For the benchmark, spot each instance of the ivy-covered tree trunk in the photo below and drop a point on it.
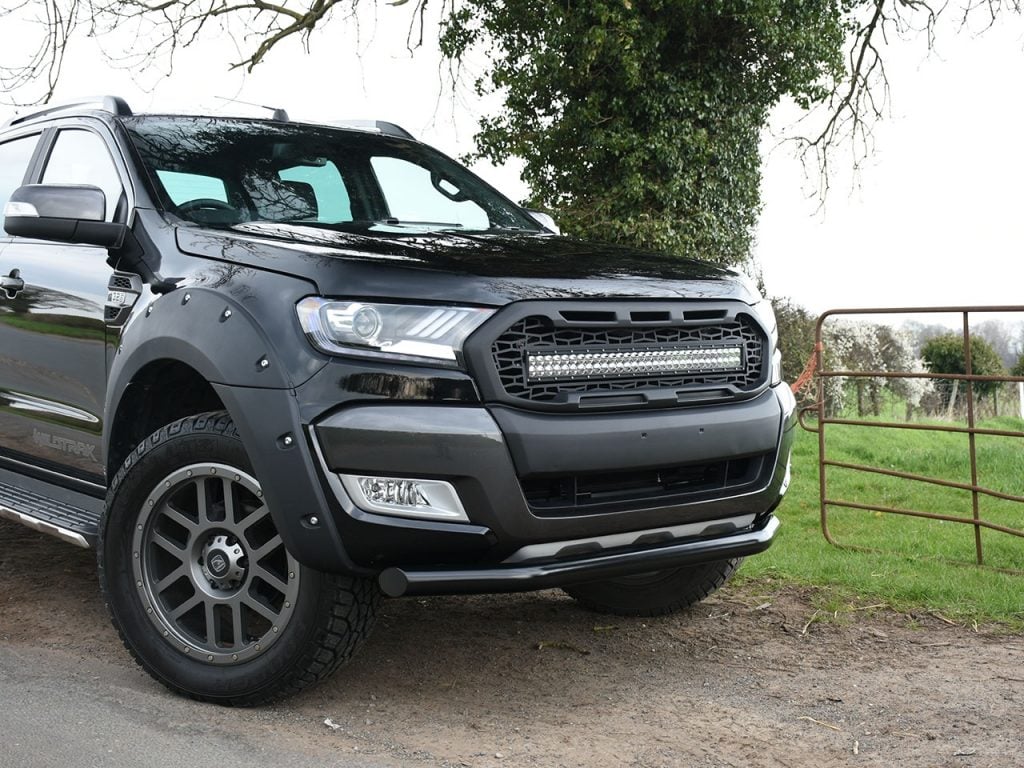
(639, 120)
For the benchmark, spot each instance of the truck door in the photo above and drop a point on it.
(53, 341)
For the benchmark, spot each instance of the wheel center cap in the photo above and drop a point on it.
(223, 562)
(218, 563)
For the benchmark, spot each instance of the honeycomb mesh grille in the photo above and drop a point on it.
(536, 334)
(120, 282)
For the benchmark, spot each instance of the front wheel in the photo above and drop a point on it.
(200, 585)
(655, 593)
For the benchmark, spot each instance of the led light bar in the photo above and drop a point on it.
(658, 361)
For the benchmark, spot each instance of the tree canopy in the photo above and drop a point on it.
(638, 121)
(945, 354)
(1018, 367)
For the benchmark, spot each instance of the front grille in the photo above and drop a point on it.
(614, 491)
(539, 362)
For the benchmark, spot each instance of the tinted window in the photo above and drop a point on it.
(312, 176)
(14, 159)
(183, 187)
(416, 194)
(81, 157)
(327, 187)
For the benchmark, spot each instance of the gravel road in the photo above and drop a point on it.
(756, 676)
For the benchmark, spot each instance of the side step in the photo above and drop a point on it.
(70, 516)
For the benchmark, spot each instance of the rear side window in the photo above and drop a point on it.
(14, 159)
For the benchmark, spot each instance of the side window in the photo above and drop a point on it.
(81, 157)
(14, 159)
(414, 195)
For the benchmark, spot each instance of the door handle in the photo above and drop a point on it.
(12, 284)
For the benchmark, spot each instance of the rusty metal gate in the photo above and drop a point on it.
(973, 517)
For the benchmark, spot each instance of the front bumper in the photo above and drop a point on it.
(486, 452)
(397, 582)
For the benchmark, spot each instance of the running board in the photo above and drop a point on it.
(70, 516)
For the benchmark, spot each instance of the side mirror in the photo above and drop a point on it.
(545, 220)
(66, 213)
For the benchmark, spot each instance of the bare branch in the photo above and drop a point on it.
(58, 21)
(862, 97)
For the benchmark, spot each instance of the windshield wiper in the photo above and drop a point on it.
(393, 222)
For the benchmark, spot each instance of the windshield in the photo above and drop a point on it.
(227, 172)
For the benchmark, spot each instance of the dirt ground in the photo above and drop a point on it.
(752, 677)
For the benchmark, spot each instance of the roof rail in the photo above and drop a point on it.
(115, 105)
(380, 126)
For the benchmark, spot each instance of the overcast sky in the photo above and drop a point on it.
(935, 216)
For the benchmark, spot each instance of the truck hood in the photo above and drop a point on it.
(476, 268)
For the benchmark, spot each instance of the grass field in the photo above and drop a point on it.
(920, 565)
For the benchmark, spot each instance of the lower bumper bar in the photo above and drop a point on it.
(396, 582)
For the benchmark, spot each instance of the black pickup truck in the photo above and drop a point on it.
(275, 371)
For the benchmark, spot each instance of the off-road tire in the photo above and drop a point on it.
(657, 593)
(328, 618)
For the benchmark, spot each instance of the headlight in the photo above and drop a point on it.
(776, 368)
(402, 331)
(766, 314)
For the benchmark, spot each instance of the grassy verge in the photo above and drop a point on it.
(921, 565)
(85, 329)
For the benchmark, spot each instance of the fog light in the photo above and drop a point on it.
(405, 497)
